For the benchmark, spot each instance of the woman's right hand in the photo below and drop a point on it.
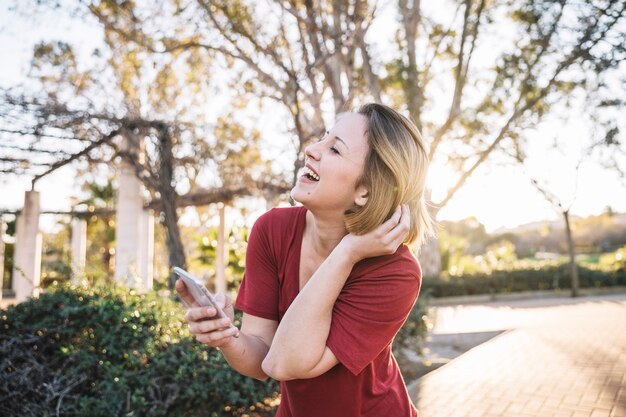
(383, 240)
(202, 322)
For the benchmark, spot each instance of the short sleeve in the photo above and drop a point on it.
(369, 312)
(258, 293)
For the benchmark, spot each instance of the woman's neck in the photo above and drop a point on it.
(325, 232)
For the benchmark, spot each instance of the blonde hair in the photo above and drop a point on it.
(395, 173)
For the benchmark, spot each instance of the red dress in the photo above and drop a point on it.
(371, 308)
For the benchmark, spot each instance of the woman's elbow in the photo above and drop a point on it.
(274, 369)
(262, 377)
(259, 375)
(281, 371)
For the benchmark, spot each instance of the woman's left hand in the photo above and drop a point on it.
(384, 240)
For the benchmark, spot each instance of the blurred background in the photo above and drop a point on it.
(140, 135)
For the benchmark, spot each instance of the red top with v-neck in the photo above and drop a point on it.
(372, 306)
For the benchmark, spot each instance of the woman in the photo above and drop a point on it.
(328, 284)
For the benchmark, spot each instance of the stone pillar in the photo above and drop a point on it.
(220, 255)
(128, 227)
(146, 250)
(27, 258)
(79, 249)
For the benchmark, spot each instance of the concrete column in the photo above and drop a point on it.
(1, 258)
(128, 227)
(27, 266)
(146, 252)
(79, 249)
(220, 255)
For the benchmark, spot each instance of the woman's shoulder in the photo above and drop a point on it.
(402, 263)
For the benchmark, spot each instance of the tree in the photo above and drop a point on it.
(557, 44)
(158, 132)
(564, 209)
(493, 69)
(104, 128)
(261, 46)
(553, 47)
(565, 212)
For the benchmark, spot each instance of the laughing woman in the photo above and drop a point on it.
(328, 284)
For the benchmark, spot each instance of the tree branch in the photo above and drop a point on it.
(461, 70)
(59, 164)
(577, 53)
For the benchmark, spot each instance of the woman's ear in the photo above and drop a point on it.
(361, 196)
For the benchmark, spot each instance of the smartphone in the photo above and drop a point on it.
(199, 292)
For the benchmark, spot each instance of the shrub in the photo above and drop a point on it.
(415, 328)
(552, 276)
(411, 335)
(112, 352)
(614, 261)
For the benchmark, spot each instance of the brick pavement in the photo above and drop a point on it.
(560, 358)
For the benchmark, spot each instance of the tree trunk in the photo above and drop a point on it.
(429, 255)
(572, 256)
(1, 258)
(174, 242)
(221, 253)
(168, 205)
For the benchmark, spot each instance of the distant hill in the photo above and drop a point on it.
(593, 234)
(618, 218)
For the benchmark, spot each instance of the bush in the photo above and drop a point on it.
(411, 336)
(554, 276)
(415, 328)
(112, 352)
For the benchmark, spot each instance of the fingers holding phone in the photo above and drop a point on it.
(208, 329)
(210, 318)
(223, 309)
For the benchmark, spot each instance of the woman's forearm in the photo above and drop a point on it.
(245, 355)
(300, 340)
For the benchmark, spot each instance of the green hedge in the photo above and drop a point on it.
(505, 281)
(111, 352)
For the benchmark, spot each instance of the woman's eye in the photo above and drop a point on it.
(334, 150)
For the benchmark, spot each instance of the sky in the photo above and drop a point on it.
(498, 196)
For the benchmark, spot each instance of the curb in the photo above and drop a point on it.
(522, 295)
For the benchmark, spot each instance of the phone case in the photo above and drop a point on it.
(199, 292)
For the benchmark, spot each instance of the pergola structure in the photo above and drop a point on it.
(134, 240)
(134, 252)
(125, 138)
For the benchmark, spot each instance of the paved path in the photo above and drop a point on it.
(558, 357)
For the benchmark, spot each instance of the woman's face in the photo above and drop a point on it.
(333, 166)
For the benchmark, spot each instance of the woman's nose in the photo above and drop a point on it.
(312, 151)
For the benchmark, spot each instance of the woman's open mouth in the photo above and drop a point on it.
(309, 174)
